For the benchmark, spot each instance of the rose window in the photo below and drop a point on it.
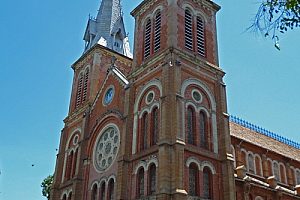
(106, 149)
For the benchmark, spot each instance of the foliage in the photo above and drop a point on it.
(277, 16)
(46, 186)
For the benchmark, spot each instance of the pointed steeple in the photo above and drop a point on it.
(108, 28)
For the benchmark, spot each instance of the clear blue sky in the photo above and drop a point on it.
(41, 39)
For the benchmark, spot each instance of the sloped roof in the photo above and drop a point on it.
(263, 141)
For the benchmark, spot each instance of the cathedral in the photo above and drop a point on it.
(154, 125)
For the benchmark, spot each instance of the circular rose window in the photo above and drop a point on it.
(106, 148)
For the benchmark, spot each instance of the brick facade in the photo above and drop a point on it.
(162, 132)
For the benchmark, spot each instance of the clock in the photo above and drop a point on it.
(109, 95)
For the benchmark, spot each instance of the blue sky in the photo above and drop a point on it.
(41, 39)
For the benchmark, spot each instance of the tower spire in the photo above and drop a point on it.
(108, 28)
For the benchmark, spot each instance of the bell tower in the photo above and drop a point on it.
(176, 61)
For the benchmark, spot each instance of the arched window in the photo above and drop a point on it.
(70, 196)
(244, 159)
(270, 167)
(74, 164)
(147, 39)
(200, 37)
(154, 128)
(94, 192)
(144, 132)
(251, 163)
(258, 165)
(276, 170)
(64, 197)
(79, 90)
(233, 154)
(298, 177)
(190, 125)
(140, 183)
(207, 183)
(193, 180)
(102, 191)
(85, 85)
(152, 179)
(157, 31)
(203, 131)
(188, 30)
(69, 166)
(111, 188)
(282, 173)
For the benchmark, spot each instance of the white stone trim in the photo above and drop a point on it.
(142, 164)
(152, 160)
(259, 198)
(194, 160)
(209, 165)
(151, 15)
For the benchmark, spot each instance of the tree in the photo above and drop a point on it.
(277, 16)
(46, 186)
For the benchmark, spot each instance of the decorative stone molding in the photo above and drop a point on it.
(241, 171)
(272, 181)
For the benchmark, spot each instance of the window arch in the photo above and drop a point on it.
(207, 183)
(102, 191)
(203, 130)
(282, 173)
(200, 37)
(190, 125)
(251, 166)
(154, 127)
(244, 158)
(188, 25)
(79, 90)
(140, 183)
(147, 39)
(64, 197)
(85, 85)
(193, 180)
(258, 165)
(157, 31)
(94, 192)
(270, 166)
(70, 196)
(297, 177)
(144, 132)
(111, 189)
(152, 179)
(276, 170)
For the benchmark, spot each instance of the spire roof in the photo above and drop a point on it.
(108, 28)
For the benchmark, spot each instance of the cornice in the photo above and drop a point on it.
(104, 51)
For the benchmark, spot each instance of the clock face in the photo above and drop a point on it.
(109, 95)
(106, 148)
